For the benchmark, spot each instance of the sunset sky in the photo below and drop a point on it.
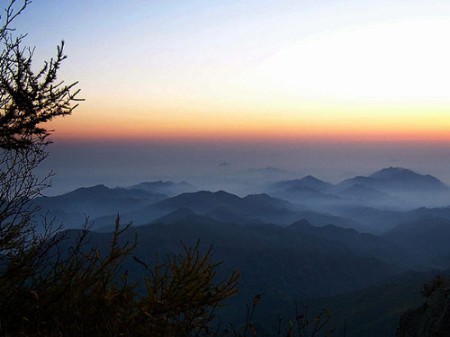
(340, 70)
(181, 88)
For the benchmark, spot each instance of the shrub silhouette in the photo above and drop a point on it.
(55, 284)
(432, 318)
(28, 98)
(85, 293)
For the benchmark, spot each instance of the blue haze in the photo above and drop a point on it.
(234, 166)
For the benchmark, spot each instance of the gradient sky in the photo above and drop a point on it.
(178, 88)
(339, 70)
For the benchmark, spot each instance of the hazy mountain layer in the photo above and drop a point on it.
(374, 204)
(390, 188)
(303, 239)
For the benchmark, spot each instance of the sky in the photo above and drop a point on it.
(319, 74)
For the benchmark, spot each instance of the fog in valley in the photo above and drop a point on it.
(343, 226)
(234, 169)
(239, 167)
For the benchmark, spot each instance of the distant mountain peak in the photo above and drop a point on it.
(310, 178)
(313, 180)
(100, 188)
(95, 187)
(391, 172)
(307, 182)
(403, 174)
(190, 199)
(401, 183)
(221, 192)
(259, 196)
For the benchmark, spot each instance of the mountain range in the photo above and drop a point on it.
(373, 204)
(392, 188)
(302, 240)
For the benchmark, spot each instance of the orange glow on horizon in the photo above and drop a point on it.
(332, 71)
(265, 127)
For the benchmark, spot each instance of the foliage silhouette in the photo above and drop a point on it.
(299, 326)
(53, 282)
(28, 98)
(432, 318)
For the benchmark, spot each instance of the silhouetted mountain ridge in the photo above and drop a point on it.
(394, 179)
(301, 239)
(354, 203)
(309, 182)
(392, 188)
(72, 208)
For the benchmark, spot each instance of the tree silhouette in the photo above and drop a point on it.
(28, 98)
(54, 282)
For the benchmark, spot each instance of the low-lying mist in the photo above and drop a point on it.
(235, 166)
